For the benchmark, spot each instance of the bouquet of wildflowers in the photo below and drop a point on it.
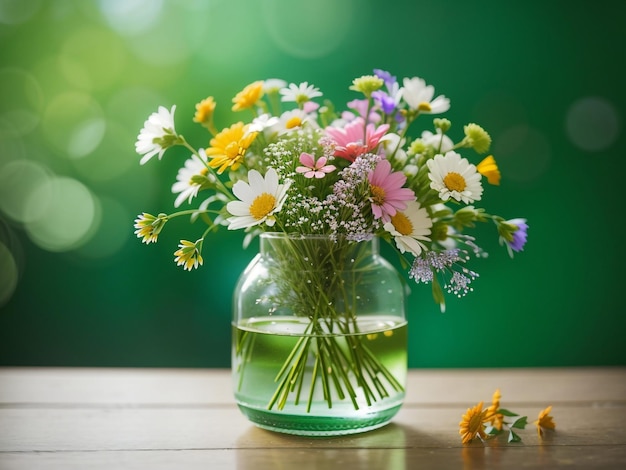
(296, 164)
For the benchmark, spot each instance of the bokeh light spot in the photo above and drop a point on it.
(8, 274)
(18, 180)
(86, 137)
(308, 29)
(523, 154)
(592, 124)
(112, 158)
(69, 215)
(11, 143)
(131, 16)
(115, 227)
(21, 99)
(73, 123)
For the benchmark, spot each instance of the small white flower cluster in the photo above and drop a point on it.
(356, 174)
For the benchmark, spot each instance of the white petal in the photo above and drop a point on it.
(257, 182)
(235, 223)
(271, 181)
(243, 191)
(238, 208)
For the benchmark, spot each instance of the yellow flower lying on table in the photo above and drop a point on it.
(492, 421)
(545, 421)
(474, 423)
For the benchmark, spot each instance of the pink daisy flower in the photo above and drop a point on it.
(387, 194)
(312, 168)
(355, 138)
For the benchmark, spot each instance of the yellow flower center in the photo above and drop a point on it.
(424, 106)
(293, 122)
(262, 205)
(402, 223)
(378, 194)
(200, 177)
(232, 150)
(455, 182)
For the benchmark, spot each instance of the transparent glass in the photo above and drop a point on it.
(319, 336)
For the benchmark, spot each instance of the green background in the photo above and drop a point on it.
(78, 79)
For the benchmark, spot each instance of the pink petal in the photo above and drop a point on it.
(307, 159)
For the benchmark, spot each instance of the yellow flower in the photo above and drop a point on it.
(189, 254)
(229, 147)
(489, 169)
(496, 418)
(148, 226)
(249, 96)
(473, 423)
(367, 84)
(204, 110)
(477, 138)
(545, 421)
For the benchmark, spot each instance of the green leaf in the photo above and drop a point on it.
(520, 423)
(514, 437)
(505, 412)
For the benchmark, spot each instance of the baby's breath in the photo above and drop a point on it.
(292, 161)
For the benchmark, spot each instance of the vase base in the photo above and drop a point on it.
(318, 426)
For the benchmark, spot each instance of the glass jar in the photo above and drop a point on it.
(319, 336)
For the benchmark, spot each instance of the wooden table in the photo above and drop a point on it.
(61, 418)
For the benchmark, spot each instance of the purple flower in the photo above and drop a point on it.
(519, 236)
(386, 76)
(387, 103)
(387, 100)
(513, 233)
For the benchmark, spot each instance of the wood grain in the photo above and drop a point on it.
(186, 418)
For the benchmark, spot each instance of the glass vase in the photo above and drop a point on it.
(319, 336)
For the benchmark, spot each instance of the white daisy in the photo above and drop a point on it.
(293, 120)
(157, 135)
(273, 85)
(300, 93)
(262, 122)
(419, 96)
(454, 177)
(260, 199)
(191, 177)
(410, 228)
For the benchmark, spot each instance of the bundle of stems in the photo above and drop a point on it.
(316, 279)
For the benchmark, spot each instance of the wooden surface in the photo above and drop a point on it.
(55, 418)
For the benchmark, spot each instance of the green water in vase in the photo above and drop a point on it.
(364, 394)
